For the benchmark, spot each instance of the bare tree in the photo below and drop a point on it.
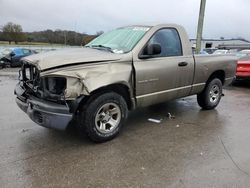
(13, 32)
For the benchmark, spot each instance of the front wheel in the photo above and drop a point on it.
(102, 117)
(211, 95)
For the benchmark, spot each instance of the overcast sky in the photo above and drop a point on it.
(227, 18)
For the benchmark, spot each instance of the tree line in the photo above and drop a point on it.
(12, 32)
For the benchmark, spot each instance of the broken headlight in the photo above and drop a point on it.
(54, 87)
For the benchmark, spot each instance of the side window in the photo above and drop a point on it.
(169, 41)
(26, 51)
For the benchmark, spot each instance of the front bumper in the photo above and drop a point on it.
(46, 114)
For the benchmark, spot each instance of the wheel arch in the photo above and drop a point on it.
(119, 88)
(220, 74)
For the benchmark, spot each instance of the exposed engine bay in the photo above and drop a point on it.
(49, 88)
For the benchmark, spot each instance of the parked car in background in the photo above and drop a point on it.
(233, 51)
(243, 68)
(210, 50)
(243, 53)
(2, 64)
(203, 52)
(220, 52)
(3, 53)
(12, 56)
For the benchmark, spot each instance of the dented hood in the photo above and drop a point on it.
(70, 56)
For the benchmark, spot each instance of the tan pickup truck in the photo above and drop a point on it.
(120, 70)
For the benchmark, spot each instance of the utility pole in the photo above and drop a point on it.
(200, 26)
(65, 38)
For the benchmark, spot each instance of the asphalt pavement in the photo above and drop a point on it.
(193, 148)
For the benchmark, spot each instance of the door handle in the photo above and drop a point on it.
(182, 64)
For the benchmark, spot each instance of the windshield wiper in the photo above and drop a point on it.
(99, 46)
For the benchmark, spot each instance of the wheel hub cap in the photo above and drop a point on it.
(107, 117)
(214, 94)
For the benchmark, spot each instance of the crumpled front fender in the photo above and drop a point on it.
(82, 80)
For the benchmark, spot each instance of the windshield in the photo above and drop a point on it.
(121, 40)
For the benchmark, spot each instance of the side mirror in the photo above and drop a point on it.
(151, 50)
(12, 54)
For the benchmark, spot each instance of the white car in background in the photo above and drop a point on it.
(221, 52)
(243, 53)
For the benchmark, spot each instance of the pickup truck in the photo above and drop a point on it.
(126, 68)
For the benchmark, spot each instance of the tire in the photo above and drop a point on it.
(103, 116)
(15, 63)
(3, 65)
(12, 65)
(211, 95)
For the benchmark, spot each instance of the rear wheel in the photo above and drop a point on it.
(211, 95)
(103, 115)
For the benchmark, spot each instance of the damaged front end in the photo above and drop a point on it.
(43, 98)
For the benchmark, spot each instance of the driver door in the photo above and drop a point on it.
(157, 78)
